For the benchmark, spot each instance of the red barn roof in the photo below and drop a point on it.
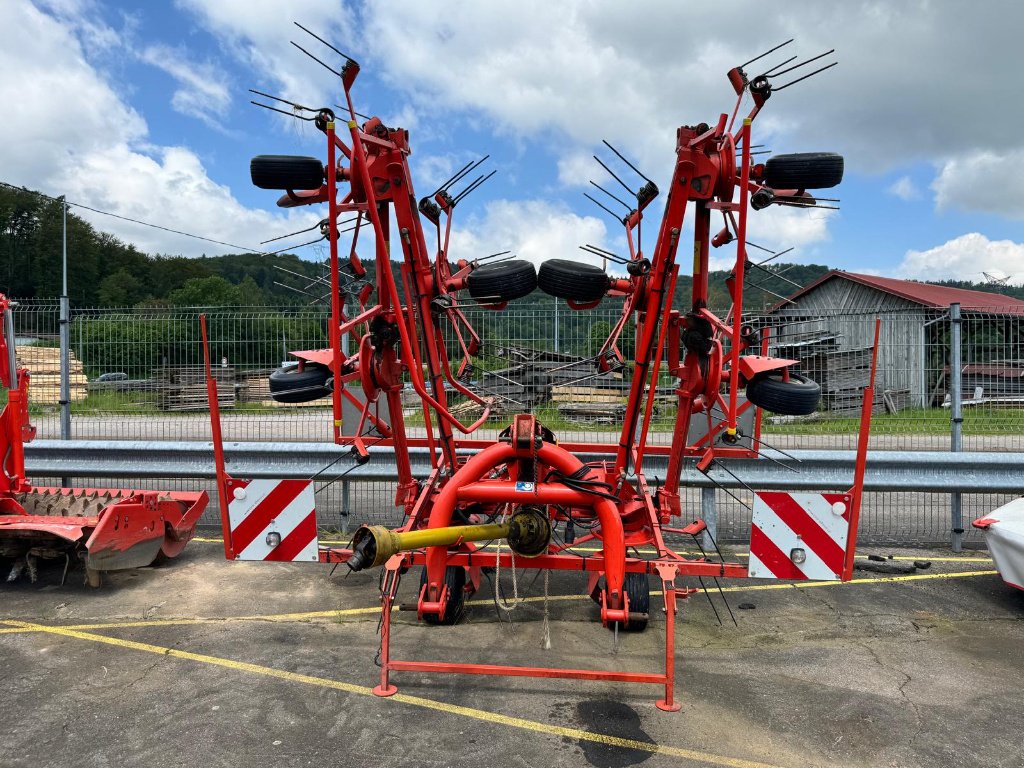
(925, 294)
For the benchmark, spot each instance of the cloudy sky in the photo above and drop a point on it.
(141, 108)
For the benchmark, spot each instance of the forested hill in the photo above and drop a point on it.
(104, 271)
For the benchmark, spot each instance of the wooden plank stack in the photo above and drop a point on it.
(183, 388)
(43, 364)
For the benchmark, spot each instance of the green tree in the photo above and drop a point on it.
(206, 292)
(120, 289)
(250, 294)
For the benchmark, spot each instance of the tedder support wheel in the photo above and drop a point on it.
(797, 397)
(638, 590)
(501, 282)
(455, 579)
(291, 385)
(572, 280)
(286, 172)
(804, 170)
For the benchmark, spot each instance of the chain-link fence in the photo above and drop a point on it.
(136, 374)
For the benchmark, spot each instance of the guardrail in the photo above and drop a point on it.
(797, 470)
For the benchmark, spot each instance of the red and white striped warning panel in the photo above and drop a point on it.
(799, 535)
(273, 520)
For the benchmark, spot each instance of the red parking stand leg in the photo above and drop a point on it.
(667, 572)
(387, 598)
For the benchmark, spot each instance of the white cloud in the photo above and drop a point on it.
(257, 33)
(203, 90)
(612, 70)
(535, 230)
(982, 181)
(905, 189)
(175, 184)
(965, 258)
(72, 134)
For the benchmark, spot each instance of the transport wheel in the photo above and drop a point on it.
(572, 280)
(455, 579)
(505, 281)
(286, 172)
(290, 385)
(797, 397)
(804, 170)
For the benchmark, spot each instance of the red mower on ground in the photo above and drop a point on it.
(542, 498)
(107, 529)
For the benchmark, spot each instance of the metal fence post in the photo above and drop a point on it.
(556, 324)
(65, 342)
(956, 420)
(709, 514)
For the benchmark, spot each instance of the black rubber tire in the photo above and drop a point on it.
(797, 397)
(286, 172)
(455, 578)
(290, 385)
(638, 590)
(572, 280)
(505, 281)
(804, 170)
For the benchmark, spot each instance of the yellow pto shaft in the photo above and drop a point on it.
(528, 532)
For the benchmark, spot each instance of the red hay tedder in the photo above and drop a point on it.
(108, 529)
(526, 489)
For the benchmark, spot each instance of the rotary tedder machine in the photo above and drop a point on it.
(527, 500)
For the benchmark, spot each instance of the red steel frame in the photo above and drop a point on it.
(404, 339)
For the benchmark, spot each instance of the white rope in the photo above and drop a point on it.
(516, 602)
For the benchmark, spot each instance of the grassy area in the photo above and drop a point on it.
(108, 401)
(917, 421)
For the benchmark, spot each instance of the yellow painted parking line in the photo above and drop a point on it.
(207, 540)
(871, 580)
(343, 612)
(697, 756)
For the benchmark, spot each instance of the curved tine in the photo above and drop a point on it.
(625, 205)
(771, 50)
(479, 181)
(283, 111)
(776, 89)
(801, 64)
(314, 35)
(460, 174)
(623, 159)
(296, 232)
(603, 207)
(314, 58)
(357, 114)
(493, 255)
(612, 174)
(780, 64)
(283, 101)
(603, 254)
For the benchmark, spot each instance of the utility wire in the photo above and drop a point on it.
(244, 248)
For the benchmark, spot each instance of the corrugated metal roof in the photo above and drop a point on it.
(925, 294)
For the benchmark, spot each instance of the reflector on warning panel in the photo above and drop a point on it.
(273, 520)
(799, 535)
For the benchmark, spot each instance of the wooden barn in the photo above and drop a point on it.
(829, 326)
